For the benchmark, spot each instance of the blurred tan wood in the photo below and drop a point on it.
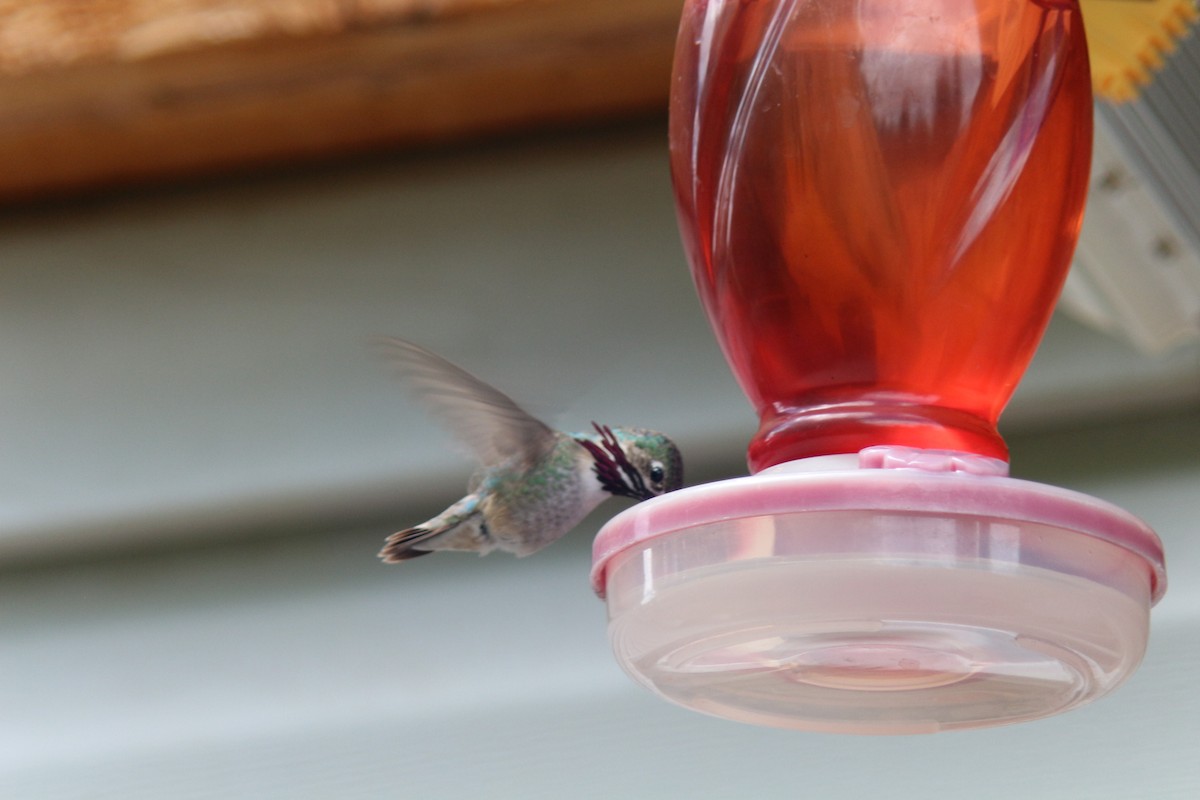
(96, 93)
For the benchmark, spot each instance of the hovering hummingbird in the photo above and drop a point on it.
(535, 483)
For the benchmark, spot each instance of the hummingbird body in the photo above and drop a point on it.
(514, 509)
(535, 484)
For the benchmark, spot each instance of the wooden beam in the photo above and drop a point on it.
(114, 92)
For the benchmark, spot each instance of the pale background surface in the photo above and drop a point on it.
(200, 460)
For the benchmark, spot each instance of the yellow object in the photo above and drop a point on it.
(1127, 40)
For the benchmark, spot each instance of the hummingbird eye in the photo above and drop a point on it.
(656, 472)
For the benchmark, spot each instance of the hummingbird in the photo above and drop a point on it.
(534, 483)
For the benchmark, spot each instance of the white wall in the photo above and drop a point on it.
(185, 373)
(301, 668)
(189, 364)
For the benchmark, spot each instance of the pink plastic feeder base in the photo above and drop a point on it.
(899, 591)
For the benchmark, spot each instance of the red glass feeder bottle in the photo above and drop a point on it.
(879, 200)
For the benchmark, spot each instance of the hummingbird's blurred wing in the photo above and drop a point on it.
(484, 418)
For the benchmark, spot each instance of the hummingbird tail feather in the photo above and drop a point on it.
(460, 527)
(401, 545)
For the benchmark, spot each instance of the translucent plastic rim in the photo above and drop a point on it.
(885, 490)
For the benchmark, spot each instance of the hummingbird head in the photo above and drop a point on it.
(634, 462)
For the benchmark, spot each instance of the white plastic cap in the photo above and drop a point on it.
(911, 592)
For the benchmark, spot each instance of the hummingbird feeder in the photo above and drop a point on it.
(879, 200)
